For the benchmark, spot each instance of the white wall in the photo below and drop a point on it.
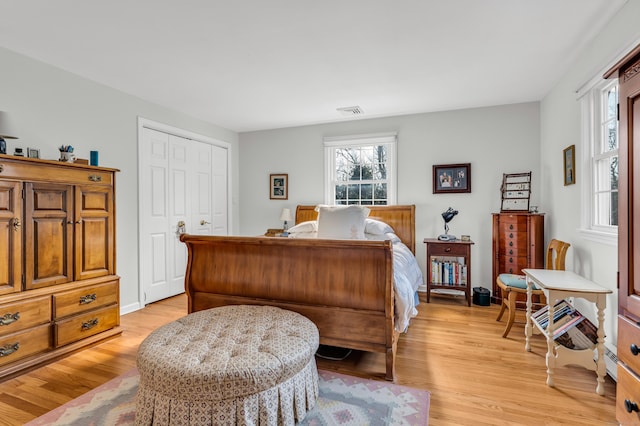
(51, 107)
(495, 140)
(560, 119)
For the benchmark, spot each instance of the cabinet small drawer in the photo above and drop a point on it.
(511, 264)
(25, 343)
(513, 223)
(87, 324)
(24, 314)
(627, 394)
(628, 343)
(448, 249)
(83, 299)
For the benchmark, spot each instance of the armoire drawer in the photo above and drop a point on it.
(24, 314)
(22, 344)
(628, 335)
(627, 393)
(87, 324)
(84, 299)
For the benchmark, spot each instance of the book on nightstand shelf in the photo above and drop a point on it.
(572, 329)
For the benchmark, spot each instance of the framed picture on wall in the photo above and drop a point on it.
(278, 186)
(569, 165)
(451, 178)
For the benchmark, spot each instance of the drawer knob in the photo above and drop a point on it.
(510, 251)
(89, 298)
(511, 260)
(511, 235)
(89, 324)
(630, 406)
(448, 249)
(510, 243)
(95, 178)
(511, 270)
(634, 349)
(9, 318)
(510, 226)
(8, 349)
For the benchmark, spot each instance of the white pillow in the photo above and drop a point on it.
(376, 227)
(308, 226)
(342, 222)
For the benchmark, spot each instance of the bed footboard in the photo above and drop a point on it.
(344, 286)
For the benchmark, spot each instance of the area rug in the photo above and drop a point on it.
(343, 400)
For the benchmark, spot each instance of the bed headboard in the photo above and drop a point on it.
(401, 218)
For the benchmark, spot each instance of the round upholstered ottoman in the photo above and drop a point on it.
(230, 365)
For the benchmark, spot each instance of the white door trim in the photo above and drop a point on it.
(154, 125)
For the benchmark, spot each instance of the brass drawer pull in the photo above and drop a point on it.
(89, 324)
(9, 318)
(89, 298)
(1, 168)
(95, 178)
(8, 349)
(16, 223)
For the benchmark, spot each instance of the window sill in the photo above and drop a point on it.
(607, 238)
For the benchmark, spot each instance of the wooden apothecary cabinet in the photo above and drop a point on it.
(58, 285)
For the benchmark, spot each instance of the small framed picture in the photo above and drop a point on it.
(569, 165)
(33, 153)
(451, 178)
(278, 186)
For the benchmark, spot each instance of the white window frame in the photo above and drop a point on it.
(592, 107)
(336, 142)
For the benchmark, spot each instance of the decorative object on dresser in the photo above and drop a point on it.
(512, 285)
(451, 178)
(569, 160)
(59, 291)
(33, 153)
(6, 131)
(447, 216)
(449, 267)
(628, 385)
(516, 192)
(518, 243)
(278, 186)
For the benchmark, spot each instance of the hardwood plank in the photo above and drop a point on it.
(456, 352)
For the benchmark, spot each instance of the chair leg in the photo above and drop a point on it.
(512, 312)
(503, 306)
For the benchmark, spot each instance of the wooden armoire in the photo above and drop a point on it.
(627, 70)
(59, 290)
(518, 243)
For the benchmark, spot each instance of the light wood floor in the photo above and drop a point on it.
(456, 352)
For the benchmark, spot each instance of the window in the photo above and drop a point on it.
(600, 144)
(361, 169)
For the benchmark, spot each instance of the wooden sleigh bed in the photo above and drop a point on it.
(344, 286)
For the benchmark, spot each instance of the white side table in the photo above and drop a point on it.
(558, 285)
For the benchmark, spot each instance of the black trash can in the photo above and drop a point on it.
(481, 296)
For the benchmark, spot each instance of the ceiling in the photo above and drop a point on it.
(254, 64)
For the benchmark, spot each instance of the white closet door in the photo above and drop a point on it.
(220, 193)
(201, 212)
(183, 188)
(154, 206)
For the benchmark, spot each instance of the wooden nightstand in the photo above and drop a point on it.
(449, 266)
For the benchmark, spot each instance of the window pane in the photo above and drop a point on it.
(612, 103)
(381, 191)
(341, 192)
(613, 169)
(353, 192)
(612, 136)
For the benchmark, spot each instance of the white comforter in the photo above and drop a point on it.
(407, 275)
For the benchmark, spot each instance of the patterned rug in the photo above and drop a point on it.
(344, 400)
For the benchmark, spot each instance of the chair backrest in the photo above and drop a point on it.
(556, 253)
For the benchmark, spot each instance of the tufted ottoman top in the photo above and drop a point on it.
(226, 352)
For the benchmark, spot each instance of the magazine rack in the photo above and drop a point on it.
(558, 285)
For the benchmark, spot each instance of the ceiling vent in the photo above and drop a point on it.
(350, 111)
